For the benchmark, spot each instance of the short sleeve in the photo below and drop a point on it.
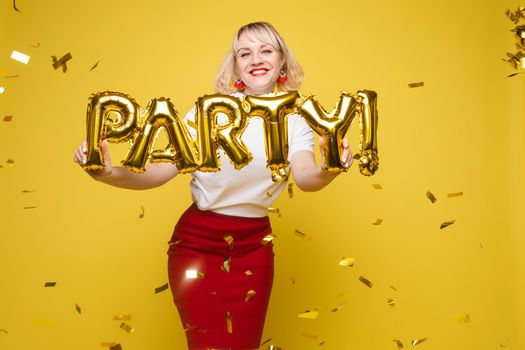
(300, 135)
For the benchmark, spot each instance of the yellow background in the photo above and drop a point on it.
(462, 131)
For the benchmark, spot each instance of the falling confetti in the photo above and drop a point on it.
(349, 262)
(506, 344)
(31, 207)
(266, 342)
(267, 239)
(3, 331)
(192, 274)
(378, 222)
(366, 282)
(430, 196)
(273, 347)
(28, 191)
(161, 288)
(302, 235)
(393, 288)
(248, 273)
(308, 335)
(20, 57)
(121, 317)
(50, 284)
(8, 118)
(115, 347)
(310, 315)
(10, 162)
(126, 327)
(462, 318)
(10, 76)
(415, 85)
(2, 89)
(322, 343)
(226, 264)
(391, 303)
(290, 190)
(337, 308)
(78, 309)
(61, 62)
(175, 242)
(516, 16)
(418, 341)
(249, 294)
(447, 223)
(35, 46)
(141, 214)
(274, 210)
(377, 186)
(398, 343)
(229, 325)
(94, 66)
(14, 6)
(229, 240)
(454, 194)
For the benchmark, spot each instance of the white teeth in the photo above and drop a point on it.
(259, 71)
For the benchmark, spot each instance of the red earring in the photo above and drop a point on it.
(239, 84)
(282, 77)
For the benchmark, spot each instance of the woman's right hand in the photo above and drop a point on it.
(80, 158)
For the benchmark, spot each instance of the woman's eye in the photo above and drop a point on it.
(267, 51)
(245, 54)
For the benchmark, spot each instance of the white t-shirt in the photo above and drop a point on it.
(246, 192)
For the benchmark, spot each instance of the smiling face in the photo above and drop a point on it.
(258, 64)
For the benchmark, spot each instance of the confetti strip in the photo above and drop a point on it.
(14, 6)
(192, 274)
(348, 262)
(10, 76)
(248, 273)
(415, 85)
(377, 186)
(94, 66)
(61, 62)
(418, 341)
(229, 325)
(10, 162)
(454, 194)
(310, 315)
(462, 318)
(431, 197)
(378, 222)
(267, 239)
(447, 223)
(290, 190)
(20, 57)
(516, 16)
(2, 90)
(115, 347)
(249, 294)
(366, 282)
(506, 344)
(398, 343)
(302, 235)
(121, 317)
(266, 342)
(308, 335)
(229, 240)
(35, 46)
(141, 214)
(28, 191)
(78, 309)
(226, 264)
(273, 347)
(31, 207)
(391, 303)
(50, 284)
(338, 307)
(393, 288)
(126, 327)
(274, 210)
(161, 288)
(176, 242)
(3, 331)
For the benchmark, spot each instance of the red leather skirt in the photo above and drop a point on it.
(221, 275)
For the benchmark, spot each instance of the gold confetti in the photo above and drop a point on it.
(506, 344)
(10, 162)
(274, 210)
(337, 308)
(393, 288)
(28, 191)
(229, 240)
(4, 331)
(20, 57)
(8, 118)
(377, 186)
(310, 315)
(290, 190)
(14, 6)
(115, 347)
(161, 288)
(10, 76)
(2, 89)
(447, 223)
(308, 335)
(454, 194)
(107, 344)
(481, 245)
(418, 341)
(226, 264)
(35, 46)
(322, 343)
(398, 343)
(302, 235)
(391, 303)
(348, 262)
(293, 278)
(266, 342)
(61, 62)
(516, 16)
(462, 318)
(366, 282)
(268, 194)
(121, 317)
(192, 274)
(175, 242)
(94, 66)
(415, 85)
(78, 309)
(249, 294)
(50, 284)
(248, 273)
(229, 325)
(273, 347)
(31, 207)
(126, 327)
(378, 222)
(267, 239)
(431, 196)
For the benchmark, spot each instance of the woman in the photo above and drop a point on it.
(220, 256)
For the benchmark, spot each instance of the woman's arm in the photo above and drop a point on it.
(308, 175)
(156, 173)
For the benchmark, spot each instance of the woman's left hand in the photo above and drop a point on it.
(346, 156)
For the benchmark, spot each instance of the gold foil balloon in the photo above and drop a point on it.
(369, 159)
(211, 133)
(110, 116)
(274, 110)
(331, 126)
(161, 114)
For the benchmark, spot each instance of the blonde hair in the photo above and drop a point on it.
(265, 32)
